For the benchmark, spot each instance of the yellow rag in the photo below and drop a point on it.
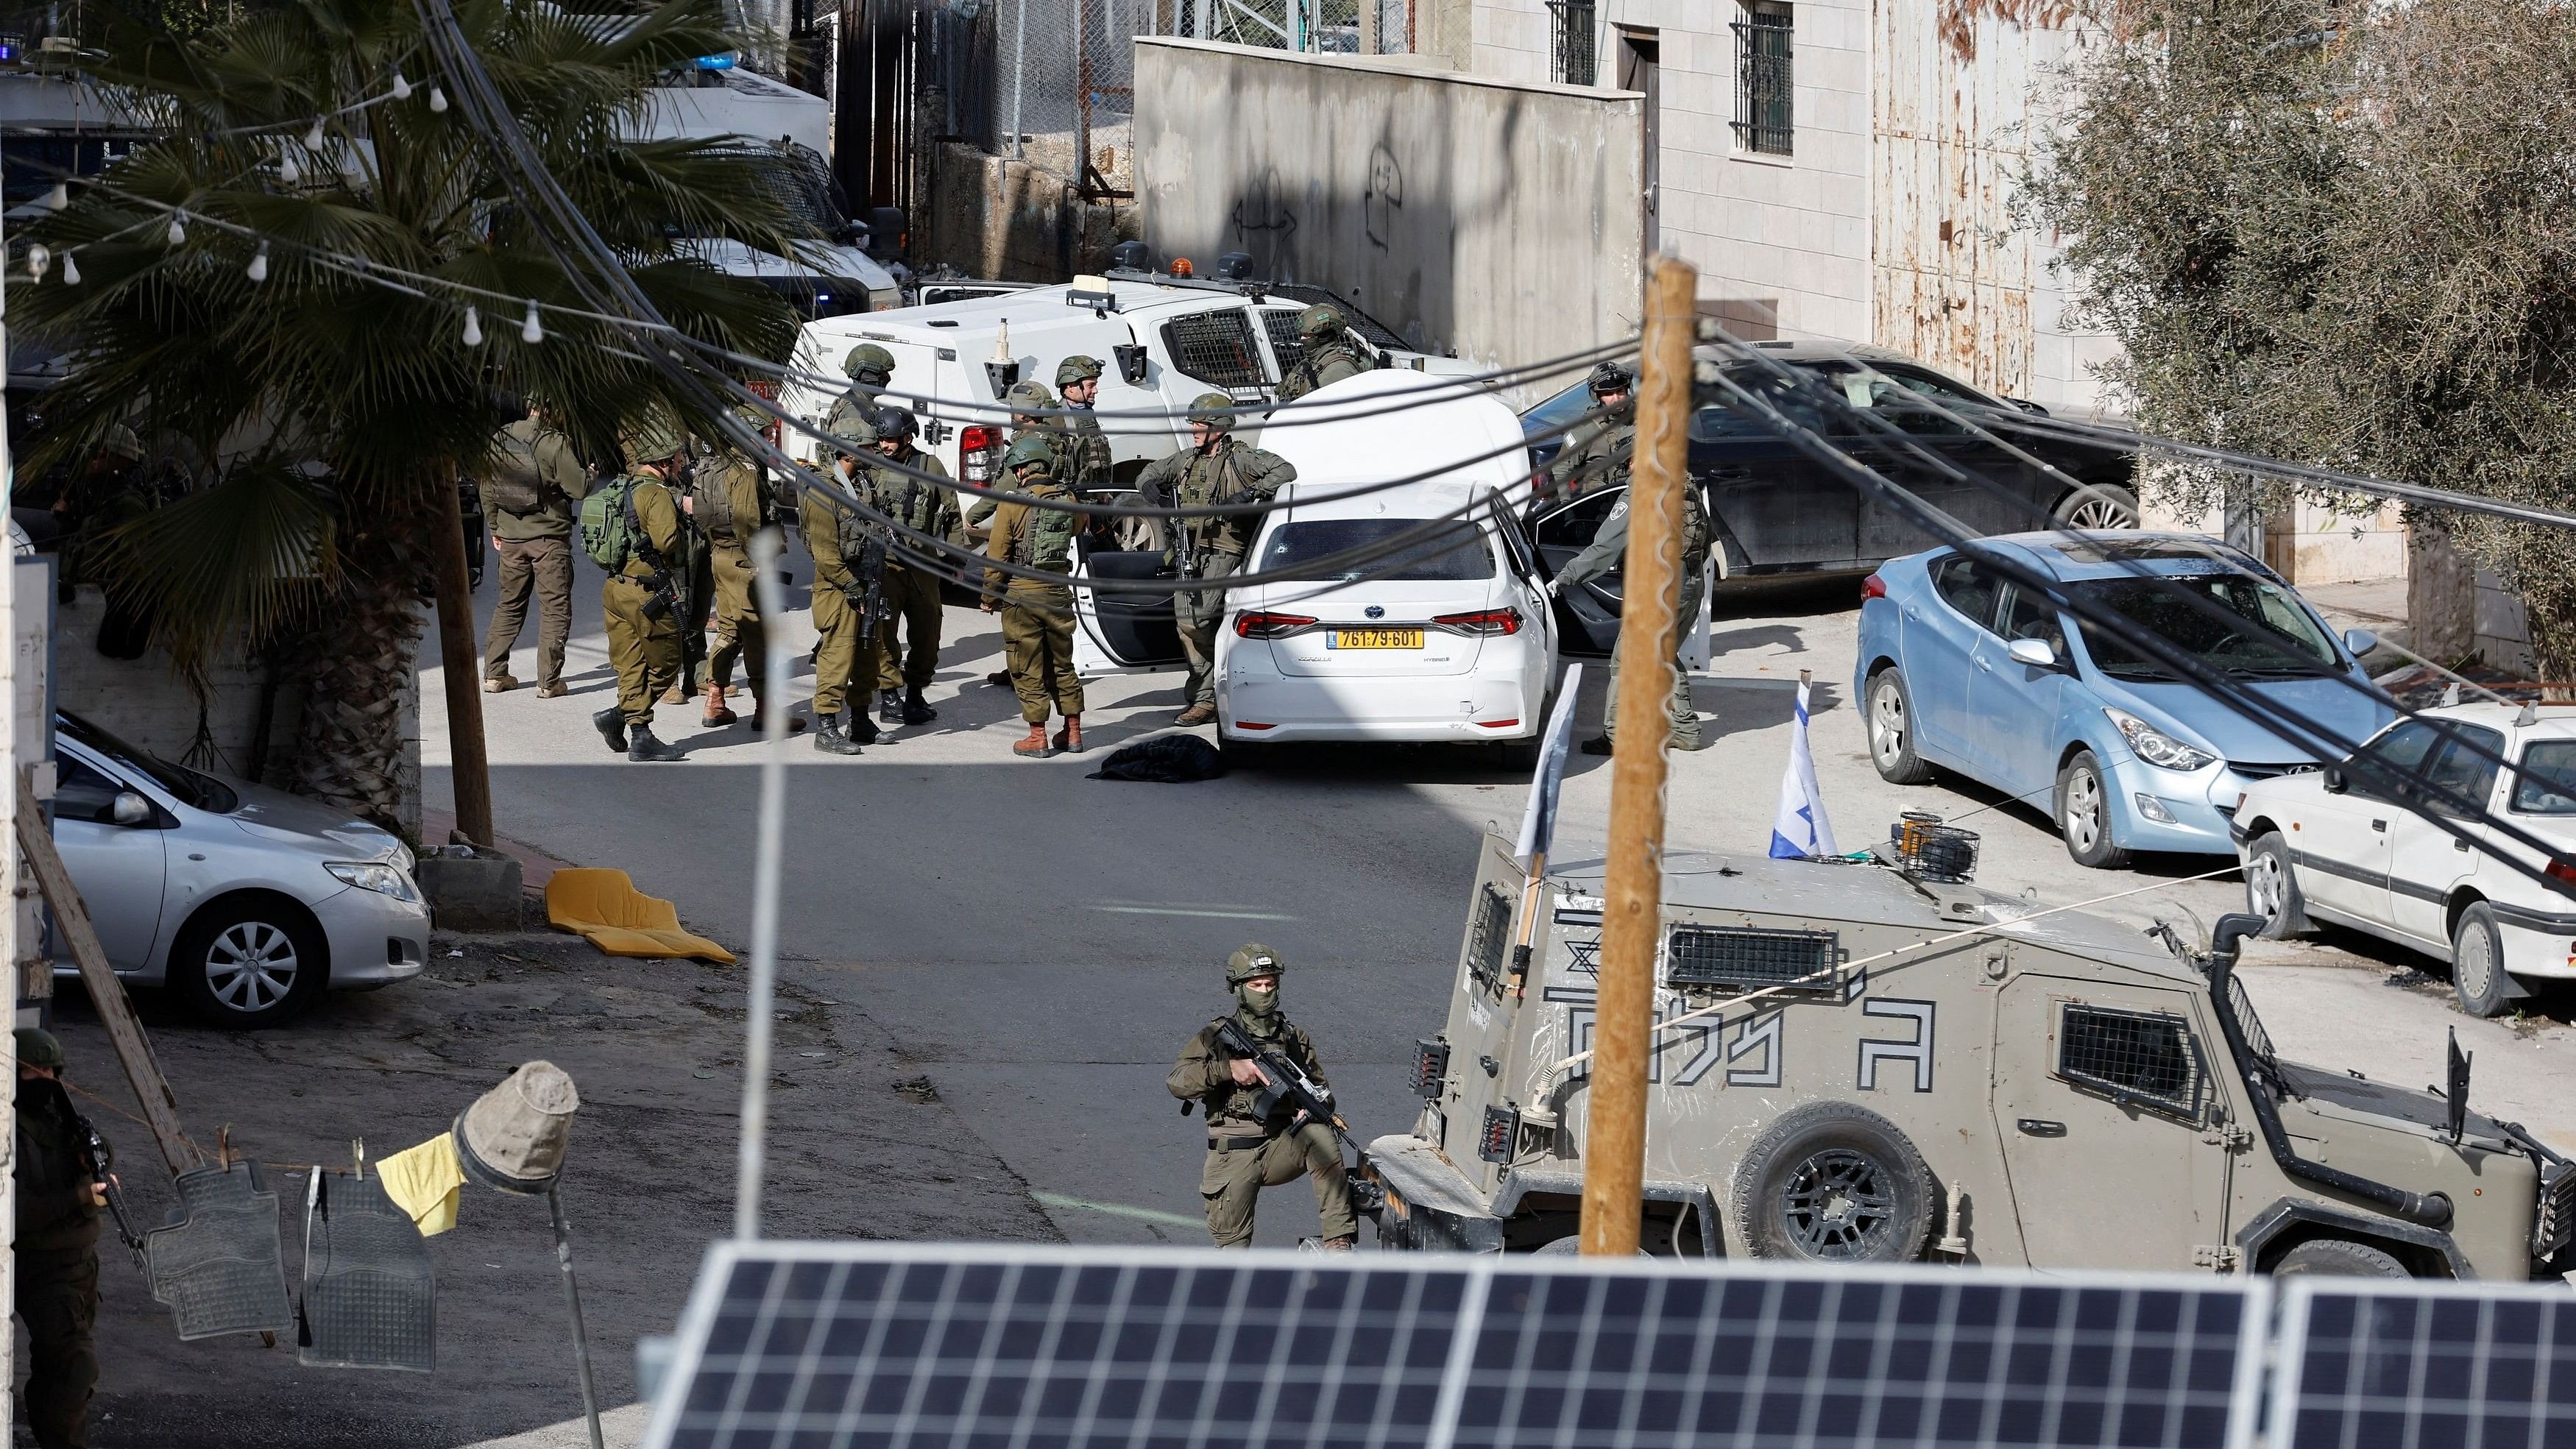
(424, 1181)
(605, 907)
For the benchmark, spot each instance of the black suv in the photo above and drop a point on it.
(1779, 512)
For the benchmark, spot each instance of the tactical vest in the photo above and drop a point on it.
(715, 515)
(517, 485)
(1046, 534)
(1211, 482)
(914, 503)
(854, 534)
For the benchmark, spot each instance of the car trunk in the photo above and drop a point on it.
(1379, 629)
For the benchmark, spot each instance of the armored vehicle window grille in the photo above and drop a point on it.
(1752, 956)
(1282, 327)
(2257, 1040)
(1216, 348)
(2141, 1057)
(1376, 333)
(1489, 936)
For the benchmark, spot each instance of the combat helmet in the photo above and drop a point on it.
(895, 422)
(1610, 377)
(1029, 447)
(1252, 959)
(1077, 368)
(654, 437)
(1215, 410)
(1029, 397)
(1321, 320)
(868, 358)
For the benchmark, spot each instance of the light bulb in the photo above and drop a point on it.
(287, 170)
(532, 330)
(259, 264)
(313, 138)
(71, 271)
(402, 88)
(473, 328)
(61, 197)
(38, 258)
(437, 100)
(178, 233)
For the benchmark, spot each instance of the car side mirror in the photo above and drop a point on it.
(2333, 780)
(130, 809)
(2033, 652)
(2360, 641)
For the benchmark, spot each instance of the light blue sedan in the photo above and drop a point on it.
(1963, 669)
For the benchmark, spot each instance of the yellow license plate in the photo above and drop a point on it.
(1376, 639)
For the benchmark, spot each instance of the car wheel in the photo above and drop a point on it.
(2338, 1258)
(2477, 962)
(1891, 730)
(2084, 814)
(2271, 891)
(2097, 506)
(248, 962)
(1832, 1182)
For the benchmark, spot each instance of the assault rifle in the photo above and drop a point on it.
(1288, 1086)
(98, 1159)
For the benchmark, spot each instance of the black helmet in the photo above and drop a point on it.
(1610, 377)
(897, 423)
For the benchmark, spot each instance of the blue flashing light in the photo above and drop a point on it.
(726, 61)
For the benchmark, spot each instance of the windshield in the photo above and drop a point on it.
(2545, 784)
(1557, 413)
(201, 792)
(1452, 551)
(803, 188)
(2244, 626)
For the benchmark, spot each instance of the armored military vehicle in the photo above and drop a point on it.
(1864, 1063)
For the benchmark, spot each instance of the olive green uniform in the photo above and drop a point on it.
(535, 545)
(910, 594)
(1037, 618)
(56, 1264)
(1083, 463)
(1596, 453)
(645, 652)
(835, 538)
(1246, 1154)
(729, 512)
(1608, 550)
(1210, 547)
(853, 414)
(979, 516)
(1323, 365)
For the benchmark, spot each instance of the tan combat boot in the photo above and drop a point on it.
(1069, 739)
(718, 714)
(1035, 747)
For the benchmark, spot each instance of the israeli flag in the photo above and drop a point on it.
(1538, 819)
(1800, 831)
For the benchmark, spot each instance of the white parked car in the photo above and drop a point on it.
(245, 901)
(2329, 845)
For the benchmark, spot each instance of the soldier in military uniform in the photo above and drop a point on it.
(529, 490)
(1023, 397)
(1082, 464)
(58, 1198)
(1214, 470)
(841, 542)
(641, 600)
(1329, 358)
(1245, 1152)
(869, 368)
(729, 508)
(1037, 618)
(1596, 452)
(910, 594)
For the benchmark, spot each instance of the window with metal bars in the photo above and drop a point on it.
(1216, 347)
(1488, 937)
(1281, 324)
(2146, 1058)
(1753, 956)
(1763, 81)
(1572, 22)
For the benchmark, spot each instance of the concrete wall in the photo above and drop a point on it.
(1014, 220)
(1498, 219)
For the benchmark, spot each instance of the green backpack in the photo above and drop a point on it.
(1046, 541)
(608, 523)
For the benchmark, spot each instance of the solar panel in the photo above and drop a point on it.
(901, 1345)
(2395, 1365)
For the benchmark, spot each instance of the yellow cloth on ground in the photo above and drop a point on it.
(423, 1181)
(605, 906)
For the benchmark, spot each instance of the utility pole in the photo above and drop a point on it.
(11, 948)
(1614, 1130)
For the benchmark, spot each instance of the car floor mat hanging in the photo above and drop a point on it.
(218, 1262)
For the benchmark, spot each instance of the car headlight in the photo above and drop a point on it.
(374, 875)
(2155, 746)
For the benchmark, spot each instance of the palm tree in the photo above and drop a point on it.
(286, 299)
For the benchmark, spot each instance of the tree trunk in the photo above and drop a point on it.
(364, 650)
(470, 768)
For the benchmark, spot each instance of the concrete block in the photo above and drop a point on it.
(476, 892)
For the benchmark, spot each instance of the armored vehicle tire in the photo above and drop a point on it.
(2271, 891)
(1833, 1183)
(2477, 962)
(2084, 814)
(2338, 1258)
(1891, 730)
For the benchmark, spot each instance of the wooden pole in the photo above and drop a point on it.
(1614, 1134)
(133, 1048)
(470, 770)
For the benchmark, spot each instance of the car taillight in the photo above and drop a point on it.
(1257, 625)
(1483, 621)
(975, 450)
(1873, 587)
(2561, 872)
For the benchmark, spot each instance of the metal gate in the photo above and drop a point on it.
(876, 62)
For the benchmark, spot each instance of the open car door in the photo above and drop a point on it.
(1120, 632)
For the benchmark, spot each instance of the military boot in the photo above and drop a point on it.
(862, 728)
(718, 714)
(890, 706)
(1195, 715)
(1069, 739)
(642, 747)
(832, 740)
(760, 717)
(1035, 747)
(611, 724)
(917, 710)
